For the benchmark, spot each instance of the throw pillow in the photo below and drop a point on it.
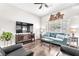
(52, 35)
(60, 36)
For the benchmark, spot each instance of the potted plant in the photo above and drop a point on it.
(6, 36)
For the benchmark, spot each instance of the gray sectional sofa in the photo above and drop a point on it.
(68, 51)
(15, 50)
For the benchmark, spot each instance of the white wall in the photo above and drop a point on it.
(10, 14)
(9, 26)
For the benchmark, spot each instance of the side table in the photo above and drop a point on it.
(73, 40)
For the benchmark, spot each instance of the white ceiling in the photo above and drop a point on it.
(53, 7)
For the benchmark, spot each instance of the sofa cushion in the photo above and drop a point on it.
(52, 39)
(52, 35)
(20, 52)
(58, 39)
(61, 33)
(2, 53)
(47, 34)
(60, 36)
(45, 39)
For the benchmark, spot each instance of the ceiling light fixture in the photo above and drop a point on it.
(42, 4)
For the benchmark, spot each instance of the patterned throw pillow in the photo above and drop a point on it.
(52, 35)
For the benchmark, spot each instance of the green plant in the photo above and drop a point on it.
(6, 36)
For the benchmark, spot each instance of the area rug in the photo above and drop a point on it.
(42, 50)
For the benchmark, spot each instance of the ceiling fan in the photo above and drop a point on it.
(42, 4)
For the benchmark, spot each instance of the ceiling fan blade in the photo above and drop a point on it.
(40, 6)
(38, 3)
(46, 5)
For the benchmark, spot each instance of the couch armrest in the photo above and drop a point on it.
(65, 41)
(70, 50)
(12, 48)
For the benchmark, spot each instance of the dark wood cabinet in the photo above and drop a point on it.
(21, 38)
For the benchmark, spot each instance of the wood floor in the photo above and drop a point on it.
(42, 50)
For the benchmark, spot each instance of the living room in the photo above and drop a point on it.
(39, 29)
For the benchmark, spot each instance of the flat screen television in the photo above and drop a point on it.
(22, 27)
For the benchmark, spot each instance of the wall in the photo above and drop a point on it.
(9, 26)
(10, 14)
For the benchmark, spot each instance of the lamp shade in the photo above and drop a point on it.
(73, 29)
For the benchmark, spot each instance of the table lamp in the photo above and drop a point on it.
(73, 30)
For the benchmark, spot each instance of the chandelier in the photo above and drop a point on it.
(56, 16)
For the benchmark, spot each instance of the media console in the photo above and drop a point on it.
(25, 37)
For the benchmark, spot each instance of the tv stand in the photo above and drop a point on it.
(24, 37)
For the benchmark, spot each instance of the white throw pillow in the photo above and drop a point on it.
(60, 36)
